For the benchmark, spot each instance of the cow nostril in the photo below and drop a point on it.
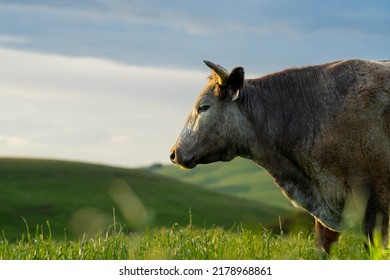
(173, 156)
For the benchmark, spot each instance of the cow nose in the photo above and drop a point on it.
(173, 156)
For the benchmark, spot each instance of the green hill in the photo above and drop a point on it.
(78, 197)
(240, 177)
(244, 179)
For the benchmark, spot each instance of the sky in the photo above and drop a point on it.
(112, 81)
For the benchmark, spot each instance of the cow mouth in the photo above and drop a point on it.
(224, 155)
(191, 162)
(188, 165)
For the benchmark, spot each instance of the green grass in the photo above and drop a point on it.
(63, 210)
(78, 197)
(185, 243)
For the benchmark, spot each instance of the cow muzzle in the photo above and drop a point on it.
(177, 157)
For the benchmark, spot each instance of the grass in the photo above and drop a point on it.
(184, 243)
(72, 202)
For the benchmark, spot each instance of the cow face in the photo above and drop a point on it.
(213, 128)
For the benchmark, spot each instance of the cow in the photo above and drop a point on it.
(322, 132)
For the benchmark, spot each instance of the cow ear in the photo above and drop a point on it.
(235, 82)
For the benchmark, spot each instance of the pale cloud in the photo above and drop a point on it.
(120, 138)
(55, 76)
(12, 141)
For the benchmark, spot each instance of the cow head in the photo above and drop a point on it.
(214, 128)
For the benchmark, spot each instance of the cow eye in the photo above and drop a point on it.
(203, 108)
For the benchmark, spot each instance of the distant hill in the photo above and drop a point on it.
(240, 177)
(78, 197)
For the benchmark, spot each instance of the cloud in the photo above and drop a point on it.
(45, 76)
(120, 138)
(133, 12)
(12, 141)
(9, 39)
(149, 13)
(260, 35)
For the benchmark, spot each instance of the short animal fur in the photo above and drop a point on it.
(323, 133)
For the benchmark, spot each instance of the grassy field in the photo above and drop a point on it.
(77, 197)
(70, 210)
(186, 243)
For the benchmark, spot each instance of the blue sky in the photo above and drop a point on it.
(112, 81)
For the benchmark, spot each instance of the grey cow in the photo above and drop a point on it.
(323, 133)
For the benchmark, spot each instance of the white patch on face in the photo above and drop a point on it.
(189, 129)
(195, 120)
(199, 119)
